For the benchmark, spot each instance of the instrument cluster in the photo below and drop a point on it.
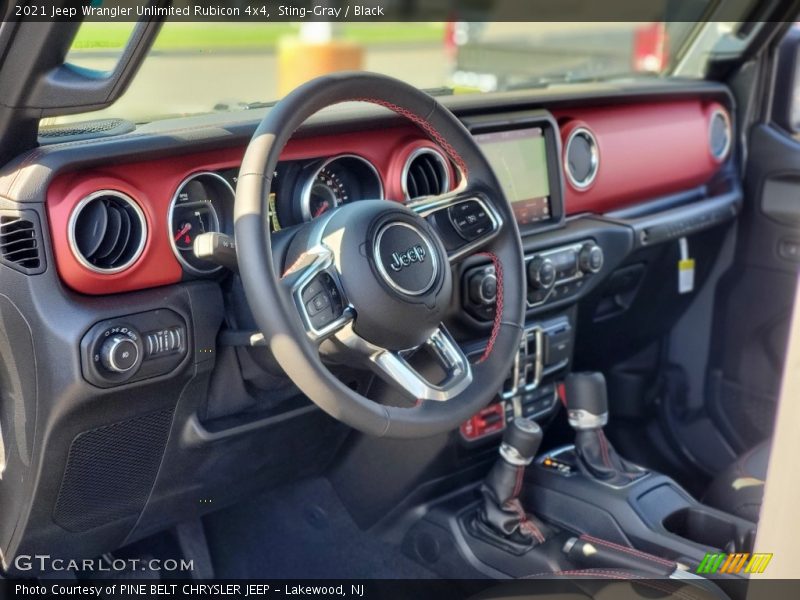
(301, 191)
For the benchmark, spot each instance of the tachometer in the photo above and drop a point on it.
(196, 209)
(341, 179)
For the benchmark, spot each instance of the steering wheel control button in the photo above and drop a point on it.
(480, 296)
(406, 258)
(470, 219)
(322, 301)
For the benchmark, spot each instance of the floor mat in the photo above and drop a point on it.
(301, 531)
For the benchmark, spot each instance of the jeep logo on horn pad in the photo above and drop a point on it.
(405, 258)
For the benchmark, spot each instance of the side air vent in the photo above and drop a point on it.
(425, 174)
(582, 158)
(719, 135)
(20, 246)
(107, 231)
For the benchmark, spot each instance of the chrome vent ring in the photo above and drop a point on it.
(107, 231)
(582, 158)
(425, 173)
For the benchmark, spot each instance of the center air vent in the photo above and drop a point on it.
(107, 231)
(425, 174)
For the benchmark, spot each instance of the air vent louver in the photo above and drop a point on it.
(425, 174)
(19, 241)
(107, 231)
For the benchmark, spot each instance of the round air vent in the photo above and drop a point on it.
(719, 134)
(107, 231)
(425, 174)
(582, 158)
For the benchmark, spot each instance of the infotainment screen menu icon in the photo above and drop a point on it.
(519, 160)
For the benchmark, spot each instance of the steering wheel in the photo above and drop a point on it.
(374, 278)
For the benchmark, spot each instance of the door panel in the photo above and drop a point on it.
(754, 300)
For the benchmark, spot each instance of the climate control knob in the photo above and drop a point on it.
(119, 354)
(483, 288)
(590, 258)
(541, 273)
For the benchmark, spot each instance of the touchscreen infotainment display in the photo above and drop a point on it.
(519, 160)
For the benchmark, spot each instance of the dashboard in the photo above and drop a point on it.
(131, 225)
(599, 181)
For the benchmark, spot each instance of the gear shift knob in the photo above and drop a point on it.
(587, 403)
(521, 442)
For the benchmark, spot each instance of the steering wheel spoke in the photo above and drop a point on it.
(314, 285)
(465, 220)
(399, 370)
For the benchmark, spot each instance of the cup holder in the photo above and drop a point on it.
(709, 529)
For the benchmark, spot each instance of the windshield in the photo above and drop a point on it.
(204, 67)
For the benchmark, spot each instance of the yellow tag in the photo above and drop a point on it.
(685, 275)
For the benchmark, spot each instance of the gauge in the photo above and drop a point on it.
(338, 180)
(327, 191)
(196, 209)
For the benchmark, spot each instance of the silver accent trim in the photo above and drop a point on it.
(728, 127)
(318, 259)
(407, 166)
(426, 207)
(305, 193)
(109, 359)
(582, 419)
(512, 456)
(595, 158)
(521, 367)
(393, 367)
(569, 545)
(376, 246)
(170, 212)
(73, 217)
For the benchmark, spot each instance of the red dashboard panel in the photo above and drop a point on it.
(645, 151)
(153, 183)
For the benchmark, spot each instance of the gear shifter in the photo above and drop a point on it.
(587, 412)
(502, 515)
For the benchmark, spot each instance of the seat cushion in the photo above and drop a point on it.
(739, 489)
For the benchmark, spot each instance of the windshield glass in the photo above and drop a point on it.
(204, 67)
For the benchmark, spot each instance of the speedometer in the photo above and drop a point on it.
(336, 181)
(196, 208)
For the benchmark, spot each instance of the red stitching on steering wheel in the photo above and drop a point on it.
(429, 129)
(498, 311)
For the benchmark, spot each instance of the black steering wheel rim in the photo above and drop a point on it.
(274, 310)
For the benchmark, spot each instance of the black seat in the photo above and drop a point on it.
(739, 489)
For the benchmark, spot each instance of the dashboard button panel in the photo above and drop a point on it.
(115, 352)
